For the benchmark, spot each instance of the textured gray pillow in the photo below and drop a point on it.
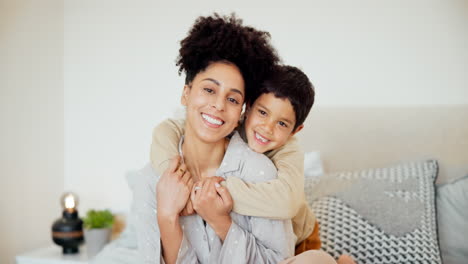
(382, 215)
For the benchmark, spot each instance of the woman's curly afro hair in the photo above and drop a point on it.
(224, 38)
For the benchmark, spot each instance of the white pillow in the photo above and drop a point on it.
(128, 235)
(312, 165)
(452, 202)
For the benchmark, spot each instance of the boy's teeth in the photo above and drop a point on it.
(264, 140)
(212, 120)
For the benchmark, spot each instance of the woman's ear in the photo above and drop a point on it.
(184, 97)
(247, 109)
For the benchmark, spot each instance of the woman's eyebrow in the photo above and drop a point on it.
(219, 84)
(212, 80)
(237, 91)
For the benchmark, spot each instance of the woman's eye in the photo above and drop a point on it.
(208, 90)
(283, 124)
(234, 101)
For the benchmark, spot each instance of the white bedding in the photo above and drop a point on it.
(123, 250)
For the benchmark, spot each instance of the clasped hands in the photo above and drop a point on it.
(178, 195)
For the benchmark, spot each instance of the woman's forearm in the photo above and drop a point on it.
(171, 237)
(222, 226)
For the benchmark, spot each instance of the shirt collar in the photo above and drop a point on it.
(232, 158)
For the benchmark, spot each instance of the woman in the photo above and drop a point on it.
(222, 61)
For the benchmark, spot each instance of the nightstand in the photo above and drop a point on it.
(52, 255)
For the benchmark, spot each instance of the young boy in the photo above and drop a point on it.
(278, 112)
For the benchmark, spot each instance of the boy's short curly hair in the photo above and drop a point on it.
(289, 82)
(224, 38)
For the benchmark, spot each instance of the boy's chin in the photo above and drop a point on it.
(259, 149)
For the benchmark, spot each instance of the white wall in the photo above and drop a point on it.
(32, 127)
(120, 76)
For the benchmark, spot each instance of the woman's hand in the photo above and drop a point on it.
(213, 203)
(188, 209)
(173, 189)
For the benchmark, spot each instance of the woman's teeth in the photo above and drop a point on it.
(264, 140)
(211, 120)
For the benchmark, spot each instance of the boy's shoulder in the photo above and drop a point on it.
(170, 124)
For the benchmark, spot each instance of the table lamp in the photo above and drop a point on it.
(68, 230)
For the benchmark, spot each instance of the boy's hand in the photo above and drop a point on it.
(213, 203)
(173, 189)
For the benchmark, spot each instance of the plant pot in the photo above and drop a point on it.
(96, 239)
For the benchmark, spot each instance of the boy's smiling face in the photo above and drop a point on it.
(269, 123)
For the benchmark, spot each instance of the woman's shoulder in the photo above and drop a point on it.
(252, 166)
(145, 179)
(144, 188)
(239, 148)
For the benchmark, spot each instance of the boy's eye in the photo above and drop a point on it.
(232, 100)
(261, 112)
(208, 90)
(283, 124)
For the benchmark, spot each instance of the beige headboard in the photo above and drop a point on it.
(351, 138)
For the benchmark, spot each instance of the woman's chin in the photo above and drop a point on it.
(212, 136)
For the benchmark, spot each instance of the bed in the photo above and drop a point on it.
(389, 185)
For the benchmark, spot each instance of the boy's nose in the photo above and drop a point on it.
(268, 126)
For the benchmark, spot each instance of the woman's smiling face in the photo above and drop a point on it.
(214, 101)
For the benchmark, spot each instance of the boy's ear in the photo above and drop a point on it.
(184, 97)
(299, 128)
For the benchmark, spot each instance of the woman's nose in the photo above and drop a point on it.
(219, 103)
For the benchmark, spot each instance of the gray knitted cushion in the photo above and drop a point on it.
(378, 215)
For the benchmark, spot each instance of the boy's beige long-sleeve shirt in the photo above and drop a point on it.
(282, 198)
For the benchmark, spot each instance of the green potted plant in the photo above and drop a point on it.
(97, 230)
